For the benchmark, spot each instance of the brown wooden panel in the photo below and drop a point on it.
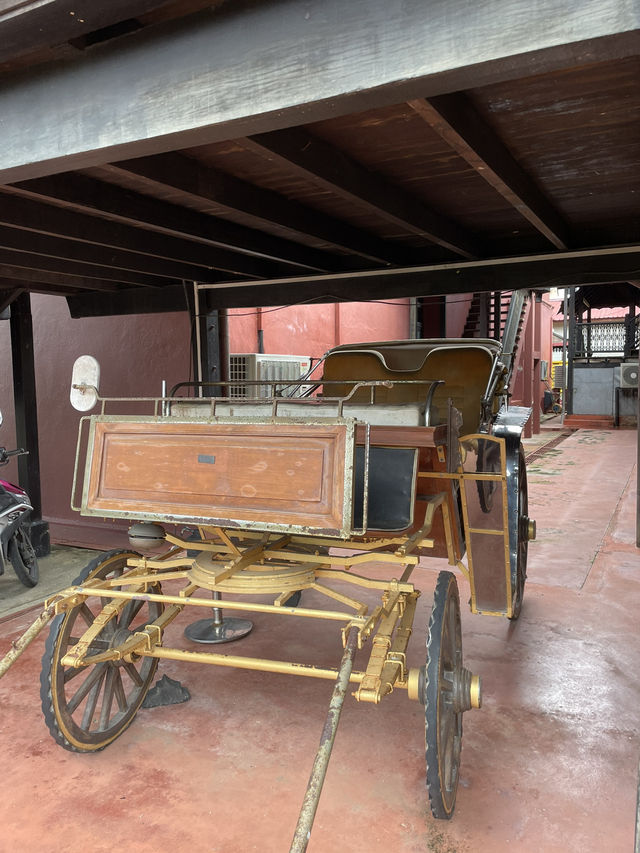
(403, 436)
(270, 476)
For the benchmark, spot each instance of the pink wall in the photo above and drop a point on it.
(135, 354)
(457, 310)
(313, 329)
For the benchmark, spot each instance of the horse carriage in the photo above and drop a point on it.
(398, 450)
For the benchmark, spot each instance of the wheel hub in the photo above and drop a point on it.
(120, 636)
(467, 690)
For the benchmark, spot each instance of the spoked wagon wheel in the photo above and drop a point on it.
(449, 690)
(523, 530)
(87, 708)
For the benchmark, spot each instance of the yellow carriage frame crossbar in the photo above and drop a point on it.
(256, 565)
(272, 563)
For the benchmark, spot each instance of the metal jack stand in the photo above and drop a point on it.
(218, 629)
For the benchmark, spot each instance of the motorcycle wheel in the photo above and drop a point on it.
(23, 558)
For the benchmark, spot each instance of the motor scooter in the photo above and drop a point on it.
(15, 541)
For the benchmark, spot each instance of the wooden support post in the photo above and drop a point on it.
(24, 393)
(527, 365)
(536, 311)
(638, 469)
(571, 353)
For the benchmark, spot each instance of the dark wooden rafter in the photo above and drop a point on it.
(19, 275)
(454, 118)
(541, 271)
(80, 192)
(8, 293)
(103, 256)
(129, 301)
(263, 206)
(27, 214)
(64, 266)
(333, 171)
(10, 285)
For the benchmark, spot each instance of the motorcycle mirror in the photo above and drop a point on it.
(85, 381)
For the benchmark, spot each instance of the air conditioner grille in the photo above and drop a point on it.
(238, 373)
(254, 367)
(628, 375)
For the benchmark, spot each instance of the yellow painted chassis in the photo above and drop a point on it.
(250, 563)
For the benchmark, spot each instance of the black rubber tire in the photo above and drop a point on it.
(61, 712)
(23, 558)
(443, 726)
(523, 537)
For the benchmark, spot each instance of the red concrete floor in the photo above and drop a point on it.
(548, 764)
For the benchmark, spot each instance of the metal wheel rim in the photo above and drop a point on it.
(523, 535)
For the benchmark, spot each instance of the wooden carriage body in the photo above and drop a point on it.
(367, 460)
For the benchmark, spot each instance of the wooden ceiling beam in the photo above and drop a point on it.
(81, 192)
(132, 301)
(538, 271)
(30, 215)
(252, 67)
(45, 263)
(105, 256)
(335, 172)
(262, 206)
(8, 284)
(456, 121)
(73, 282)
(8, 293)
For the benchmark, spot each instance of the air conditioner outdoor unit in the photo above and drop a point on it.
(255, 367)
(628, 375)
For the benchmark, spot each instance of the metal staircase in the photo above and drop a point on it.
(498, 315)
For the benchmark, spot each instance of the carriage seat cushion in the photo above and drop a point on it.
(402, 414)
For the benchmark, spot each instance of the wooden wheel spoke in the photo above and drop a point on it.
(133, 674)
(92, 699)
(71, 673)
(107, 698)
(119, 691)
(96, 644)
(93, 678)
(446, 682)
(129, 612)
(447, 745)
(85, 612)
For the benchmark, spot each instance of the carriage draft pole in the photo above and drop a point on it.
(22, 643)
(321, 762)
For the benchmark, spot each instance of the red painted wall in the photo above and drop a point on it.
(313, 329)
(457, 310)
(136, 353)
